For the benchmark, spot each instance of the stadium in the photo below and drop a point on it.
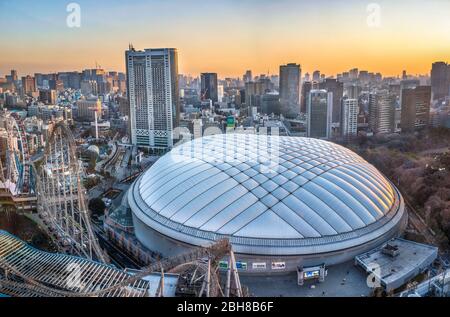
(283, 202)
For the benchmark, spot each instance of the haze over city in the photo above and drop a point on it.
(228, 37)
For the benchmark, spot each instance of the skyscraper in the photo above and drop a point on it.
(316, 76)
(353, 91)
(306, 88)
(14, 77)
(255, 90)
(248, 76)
(440, 80)
(381, 112)
(337, 88)
(290, 75)
(319, 113)
(153, 95)
(354, 73)
(415, 108)
(209, 89)
(349, 117)
(28, 85)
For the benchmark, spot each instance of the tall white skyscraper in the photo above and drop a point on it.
(319, 112)
(153, 94)
(349, 117)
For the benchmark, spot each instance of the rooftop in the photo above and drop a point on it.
(406, 261)
(265, 190)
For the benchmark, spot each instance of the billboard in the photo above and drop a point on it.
(278, 265)
(259, 266)
(231, 122)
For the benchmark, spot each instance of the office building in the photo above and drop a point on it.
(319, 113)
(337, 88)
(86, 110)
(255, 90)
(271, 103)
(248, 76)
(209, 87)
(28, 85)
(48, 97)
(381, 112)
(349, 118)
(316, 76)
(440, 80)
(153, 96)
(290, 76)
(415, 109)
(306, 89)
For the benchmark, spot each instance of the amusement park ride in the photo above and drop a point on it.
(50, 186)
(15, 172)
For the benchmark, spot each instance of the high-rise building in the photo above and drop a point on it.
(220, 93)
(270, 103)
(353, 91)
(319, 113)
(354, 73)
(14, 77)
(381, 112)
(209, 89)
(364, 77)
(153, 96)
(248, 76)
(415, 108)
(349, 118)
(307, 77)
(306, 88)
(47, 96)
(290, 76)
(28, 85)
(86, 110)
(440, 80)
(316, 76)
(89, 87)
(255, 90)
(337, 88)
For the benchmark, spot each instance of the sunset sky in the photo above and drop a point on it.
(227, 36)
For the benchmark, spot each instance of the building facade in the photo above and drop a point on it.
(337, 88)
(86, 110)
(381, 112)
(440, 80)
(349, 118)
(153, 95)
(415, 108)
(290, 75)
(209, 88)
(319, 113)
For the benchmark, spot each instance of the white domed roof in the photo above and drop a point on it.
(263, 187)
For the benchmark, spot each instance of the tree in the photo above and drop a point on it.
(97, 206)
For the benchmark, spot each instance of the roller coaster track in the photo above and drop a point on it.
(62, 203)
(20, 262)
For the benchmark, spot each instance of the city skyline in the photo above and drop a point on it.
(232, 37)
